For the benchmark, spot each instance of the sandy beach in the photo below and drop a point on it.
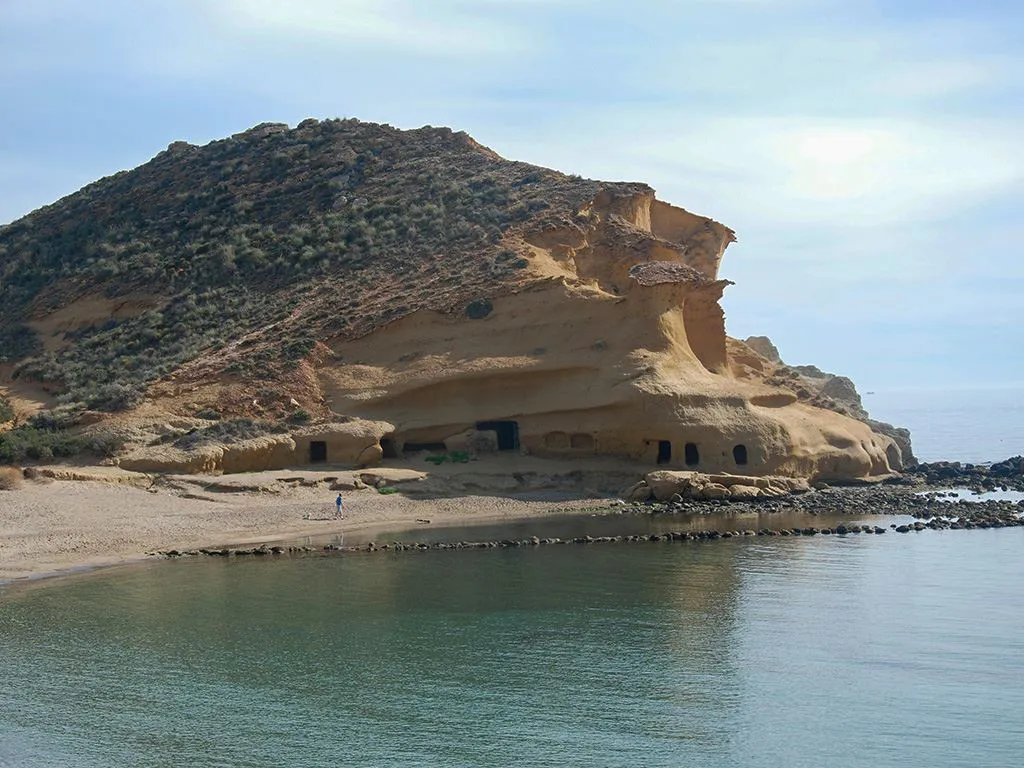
(50, 526)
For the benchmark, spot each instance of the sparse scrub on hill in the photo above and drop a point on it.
(227, 432)
(352, 223)
(6, 410)
(59, 419)
(16, 340)
(32, 443)
(108, 366)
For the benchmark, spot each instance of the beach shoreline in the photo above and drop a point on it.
(65, 519)
(58, 527)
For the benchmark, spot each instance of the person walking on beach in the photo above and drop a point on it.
(340, 505)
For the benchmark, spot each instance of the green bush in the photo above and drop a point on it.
(456, 457)
(301, 416)
(28, 443)
(57, 420)
(6, 411)
(17, 341)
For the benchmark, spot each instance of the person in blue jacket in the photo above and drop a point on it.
(340, 505)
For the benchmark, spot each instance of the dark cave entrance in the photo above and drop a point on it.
(664, 451)
(739, 453)
(317, 452)
(691, 454)
(387, 445)
(507, 431)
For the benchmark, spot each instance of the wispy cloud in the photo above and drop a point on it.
(439, 28)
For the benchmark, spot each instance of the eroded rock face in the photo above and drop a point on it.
(817, 387)
(620, 350)
(353, 443)
(764, 347)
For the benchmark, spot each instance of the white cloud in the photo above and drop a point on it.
(800, 170)
(441, 27)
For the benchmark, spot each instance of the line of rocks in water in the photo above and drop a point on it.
(968, 522)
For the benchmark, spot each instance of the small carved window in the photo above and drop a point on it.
(739, 453)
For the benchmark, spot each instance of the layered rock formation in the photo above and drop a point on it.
(826, 390)
(587, 324)
(619, 348)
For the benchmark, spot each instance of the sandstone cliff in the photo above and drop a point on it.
(403, 291)
(826, 390)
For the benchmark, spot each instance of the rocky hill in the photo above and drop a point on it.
(332, 229)
(351, 288)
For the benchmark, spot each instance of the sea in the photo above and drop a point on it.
(853, 650)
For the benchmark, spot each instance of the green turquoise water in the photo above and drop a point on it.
(812, 651)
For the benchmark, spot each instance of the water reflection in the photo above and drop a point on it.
(692, 653)
(439, 646)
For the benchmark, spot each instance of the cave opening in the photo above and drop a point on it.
(664, 451)
(317, 452)
(739, 453)
(507, 432)
(691, 454)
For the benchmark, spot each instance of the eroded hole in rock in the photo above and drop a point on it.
(664, 451)
(691, 454)
(317, 452)
(387, 445)
(416, 447)
(739, 453)
(479, 309)
(507, 432)
(556, 440)
(581, 441)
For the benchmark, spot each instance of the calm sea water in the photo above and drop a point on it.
(839, 651)
(894, 650)
(974, 425)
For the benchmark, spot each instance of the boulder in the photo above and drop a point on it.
(738, 491)
(639, 492)
(666, 483)
(714, 491)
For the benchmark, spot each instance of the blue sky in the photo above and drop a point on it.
(867, 153)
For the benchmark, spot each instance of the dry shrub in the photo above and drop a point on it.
(10, 478)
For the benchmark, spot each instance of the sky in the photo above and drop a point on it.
(868, 153)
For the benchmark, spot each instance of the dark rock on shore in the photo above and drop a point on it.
(1005, 475)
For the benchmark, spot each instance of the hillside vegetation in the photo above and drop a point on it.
(264, 242)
